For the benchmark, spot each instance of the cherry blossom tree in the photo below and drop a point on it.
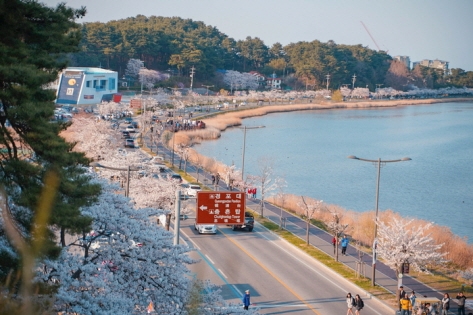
(149, 77)
(345, 91)
(310, 207)
(133, 67)
(337, 228)
(125, 264)
(264, 180)
(235, 79)
(361, 92)
(399, 242)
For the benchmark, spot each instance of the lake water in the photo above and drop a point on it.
(310, 148)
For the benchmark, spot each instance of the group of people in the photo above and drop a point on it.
(215, 179)
(343, 243)
(355, 303)
(251, 192)
(408, 306)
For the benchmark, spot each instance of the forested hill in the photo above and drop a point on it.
(176, 44)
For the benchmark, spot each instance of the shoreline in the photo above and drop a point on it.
(269, 109)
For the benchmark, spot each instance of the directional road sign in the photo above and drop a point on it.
(220, 207)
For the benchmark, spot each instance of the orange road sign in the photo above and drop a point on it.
(220, 207)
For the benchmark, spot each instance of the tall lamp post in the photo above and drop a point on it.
(128, 170)
(208, 86)
(378, 163)
(244, 145)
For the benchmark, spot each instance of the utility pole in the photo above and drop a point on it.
(353, 79)
(328, 79)
(192, 76)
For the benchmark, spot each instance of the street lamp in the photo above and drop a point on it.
(208, 86)
(244, 144)
(128, 170)
(375, 241)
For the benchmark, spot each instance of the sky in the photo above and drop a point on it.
(420, 29)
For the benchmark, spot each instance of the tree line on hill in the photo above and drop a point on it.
(175, 45)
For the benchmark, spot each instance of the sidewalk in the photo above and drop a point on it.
(385, 277)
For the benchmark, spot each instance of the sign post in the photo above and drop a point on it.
(220, 207)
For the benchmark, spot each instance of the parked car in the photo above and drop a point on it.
(129, 143)
(243, 104)
(126, 134)
(193, 189)
(130, 128)
(205, 228)
(219, 106)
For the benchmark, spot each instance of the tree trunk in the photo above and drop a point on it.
(63, 237)
(307, 232)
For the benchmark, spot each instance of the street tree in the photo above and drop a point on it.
(337, 228)
(125, 265)
(399, 242)
(282, 198)
(310, 207)
(149, 78)
(34, 47)
(264, 180)
(133, 68)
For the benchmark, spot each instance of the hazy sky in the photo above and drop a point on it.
(420, 29)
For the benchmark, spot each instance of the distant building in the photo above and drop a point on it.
(86, 86)
(261, 79)
(405, 60)
(273, 83)
(436, 64)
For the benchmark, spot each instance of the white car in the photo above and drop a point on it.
(193, 189)
(205, 228)
(130, 128)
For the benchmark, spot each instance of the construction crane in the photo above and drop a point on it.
(379, 49)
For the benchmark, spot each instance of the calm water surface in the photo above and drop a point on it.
(310, 148)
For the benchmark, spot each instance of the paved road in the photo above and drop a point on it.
(282, 279)
(385, 277)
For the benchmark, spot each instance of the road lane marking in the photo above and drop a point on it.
(311, 268)
(272, 274)
(209, 259)
(223, 274)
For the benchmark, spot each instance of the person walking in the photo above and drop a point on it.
(350, 303)
(402, 294)
(217, 179)
(254, 192)
(413, 297)
(246, 299)
(445, 304)
(359, 304)
(406, 305)
(334, 243)
(213, 180)
(344, 242)
(461, 303)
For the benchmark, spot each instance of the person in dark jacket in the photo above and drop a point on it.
(246, 299)
(359, 304)
(461, 303)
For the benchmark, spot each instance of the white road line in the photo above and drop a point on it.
(209, 259)
(222, 273)
(193, 243)
(314, 270)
